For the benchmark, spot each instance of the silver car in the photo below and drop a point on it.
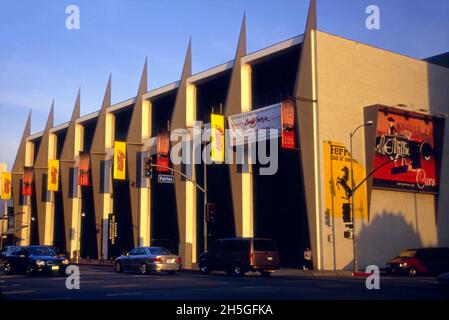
(147, 259)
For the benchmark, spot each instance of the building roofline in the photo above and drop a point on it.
(196, 78)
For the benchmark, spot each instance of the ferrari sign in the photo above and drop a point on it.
(120, 160)
(337, 175)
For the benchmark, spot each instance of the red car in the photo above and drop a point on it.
(433, 261)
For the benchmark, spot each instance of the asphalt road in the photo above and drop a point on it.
(100, 283)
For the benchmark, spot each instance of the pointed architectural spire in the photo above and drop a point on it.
(68, 151)
(19, 162)
(98, 141)
(42, 155)
(179, 112)
(136, 125)
(233, 100)
(311, 17)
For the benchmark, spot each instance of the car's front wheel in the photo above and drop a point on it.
(118, 267)
(7, 268)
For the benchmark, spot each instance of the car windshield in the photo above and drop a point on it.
(159, 251)
(41, 251)
(407, 254)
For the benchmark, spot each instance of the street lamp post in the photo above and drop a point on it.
(354, 242)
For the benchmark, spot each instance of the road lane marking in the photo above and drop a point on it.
(120, 286)
(18, 292)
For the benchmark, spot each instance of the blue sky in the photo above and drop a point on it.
(40, 59)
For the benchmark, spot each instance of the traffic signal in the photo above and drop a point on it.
(148, 167)
(346, 213)
(210, 212)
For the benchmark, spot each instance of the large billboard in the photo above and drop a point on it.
(404, 157)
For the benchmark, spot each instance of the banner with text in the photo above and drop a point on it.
(217, 138)
(404, 152)
(337, 184)
(83, 168)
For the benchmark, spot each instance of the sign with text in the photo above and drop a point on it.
(337, 184)
(119, 160)
(404, 152)
(53, 175)
(166, 178)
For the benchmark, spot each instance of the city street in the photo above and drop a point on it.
(100, 283)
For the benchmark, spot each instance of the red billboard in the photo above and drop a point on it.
(404, 154)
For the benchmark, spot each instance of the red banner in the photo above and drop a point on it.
(288, 140)
(163, 151)
(404, 152)
(27, 182)
(83, 167)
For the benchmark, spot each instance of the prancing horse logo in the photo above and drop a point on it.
(343, 181)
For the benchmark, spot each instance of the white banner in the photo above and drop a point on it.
(244, 126)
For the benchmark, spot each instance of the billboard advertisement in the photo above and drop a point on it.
(404, 157)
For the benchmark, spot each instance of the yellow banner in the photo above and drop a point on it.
(337, 175)
(217, 152)
(53, 175)
(6, 185)
(120, 160)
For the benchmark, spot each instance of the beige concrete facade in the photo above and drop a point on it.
(351, 76)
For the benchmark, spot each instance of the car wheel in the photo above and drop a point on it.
(143, 269)
(412, 272)
(237, 270)
(265, 274)
(118, 267)
(29, 271)
(7, 268)
(204, 269)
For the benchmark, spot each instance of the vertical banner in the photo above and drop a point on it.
(163, 150)
(337, 175)
(288, 139)
(53, 175)
(27, 186)
(83, 169)
(6, 185)
(217, 152)
(119, 160)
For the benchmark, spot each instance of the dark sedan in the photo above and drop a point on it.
(146, 259)
(33, 260)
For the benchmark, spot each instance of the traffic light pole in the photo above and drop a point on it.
(202, 189)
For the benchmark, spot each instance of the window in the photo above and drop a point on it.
(134, 252)
(159, 251)
(215, 247)
(264, 245)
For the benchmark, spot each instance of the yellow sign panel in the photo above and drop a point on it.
(217, 152)
(337, 175)
(53, 175)
(120, 160)
(6, 185)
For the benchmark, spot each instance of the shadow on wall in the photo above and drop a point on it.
(383, 238)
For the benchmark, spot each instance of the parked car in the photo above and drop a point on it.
(237, 256)
(413, 262)
(5, 252)
(147, 259)
(33, 260)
